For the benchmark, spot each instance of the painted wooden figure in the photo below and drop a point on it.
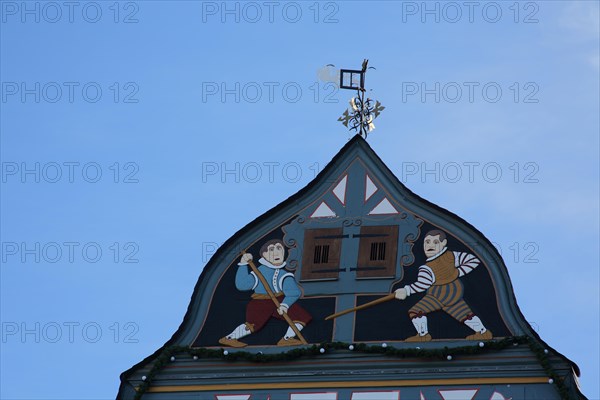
(261, 308)
(444, 291)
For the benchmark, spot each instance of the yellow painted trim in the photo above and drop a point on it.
(349, 384)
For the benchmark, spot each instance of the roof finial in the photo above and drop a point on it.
(362, 111)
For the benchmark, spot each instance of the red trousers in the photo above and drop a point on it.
(259, 311)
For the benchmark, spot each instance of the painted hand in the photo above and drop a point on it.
(246, 258)
(401, 294)
(283, 309)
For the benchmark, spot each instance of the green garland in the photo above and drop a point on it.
(442, 353)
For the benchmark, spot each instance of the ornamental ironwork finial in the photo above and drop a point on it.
(362, 112)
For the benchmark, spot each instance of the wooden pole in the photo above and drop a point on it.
(389, 297)
(277, 304)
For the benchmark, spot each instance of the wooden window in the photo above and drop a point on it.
(321, 254)
(377, 251)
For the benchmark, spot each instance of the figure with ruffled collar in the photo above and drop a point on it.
(261, 308)
(439, 278)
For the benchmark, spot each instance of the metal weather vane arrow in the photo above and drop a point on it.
(362, 112)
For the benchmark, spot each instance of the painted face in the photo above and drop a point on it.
(275, 254)
(432, 245)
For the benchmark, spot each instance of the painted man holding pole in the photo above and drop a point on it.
(439, 279)
(275, 296)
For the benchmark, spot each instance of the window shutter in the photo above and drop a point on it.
(321, 254)
(377, 251)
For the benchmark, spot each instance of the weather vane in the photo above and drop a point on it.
(362, 112)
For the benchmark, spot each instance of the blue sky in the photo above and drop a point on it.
(152, 131)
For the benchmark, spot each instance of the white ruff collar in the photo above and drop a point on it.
(269, 265)
(437, 255)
